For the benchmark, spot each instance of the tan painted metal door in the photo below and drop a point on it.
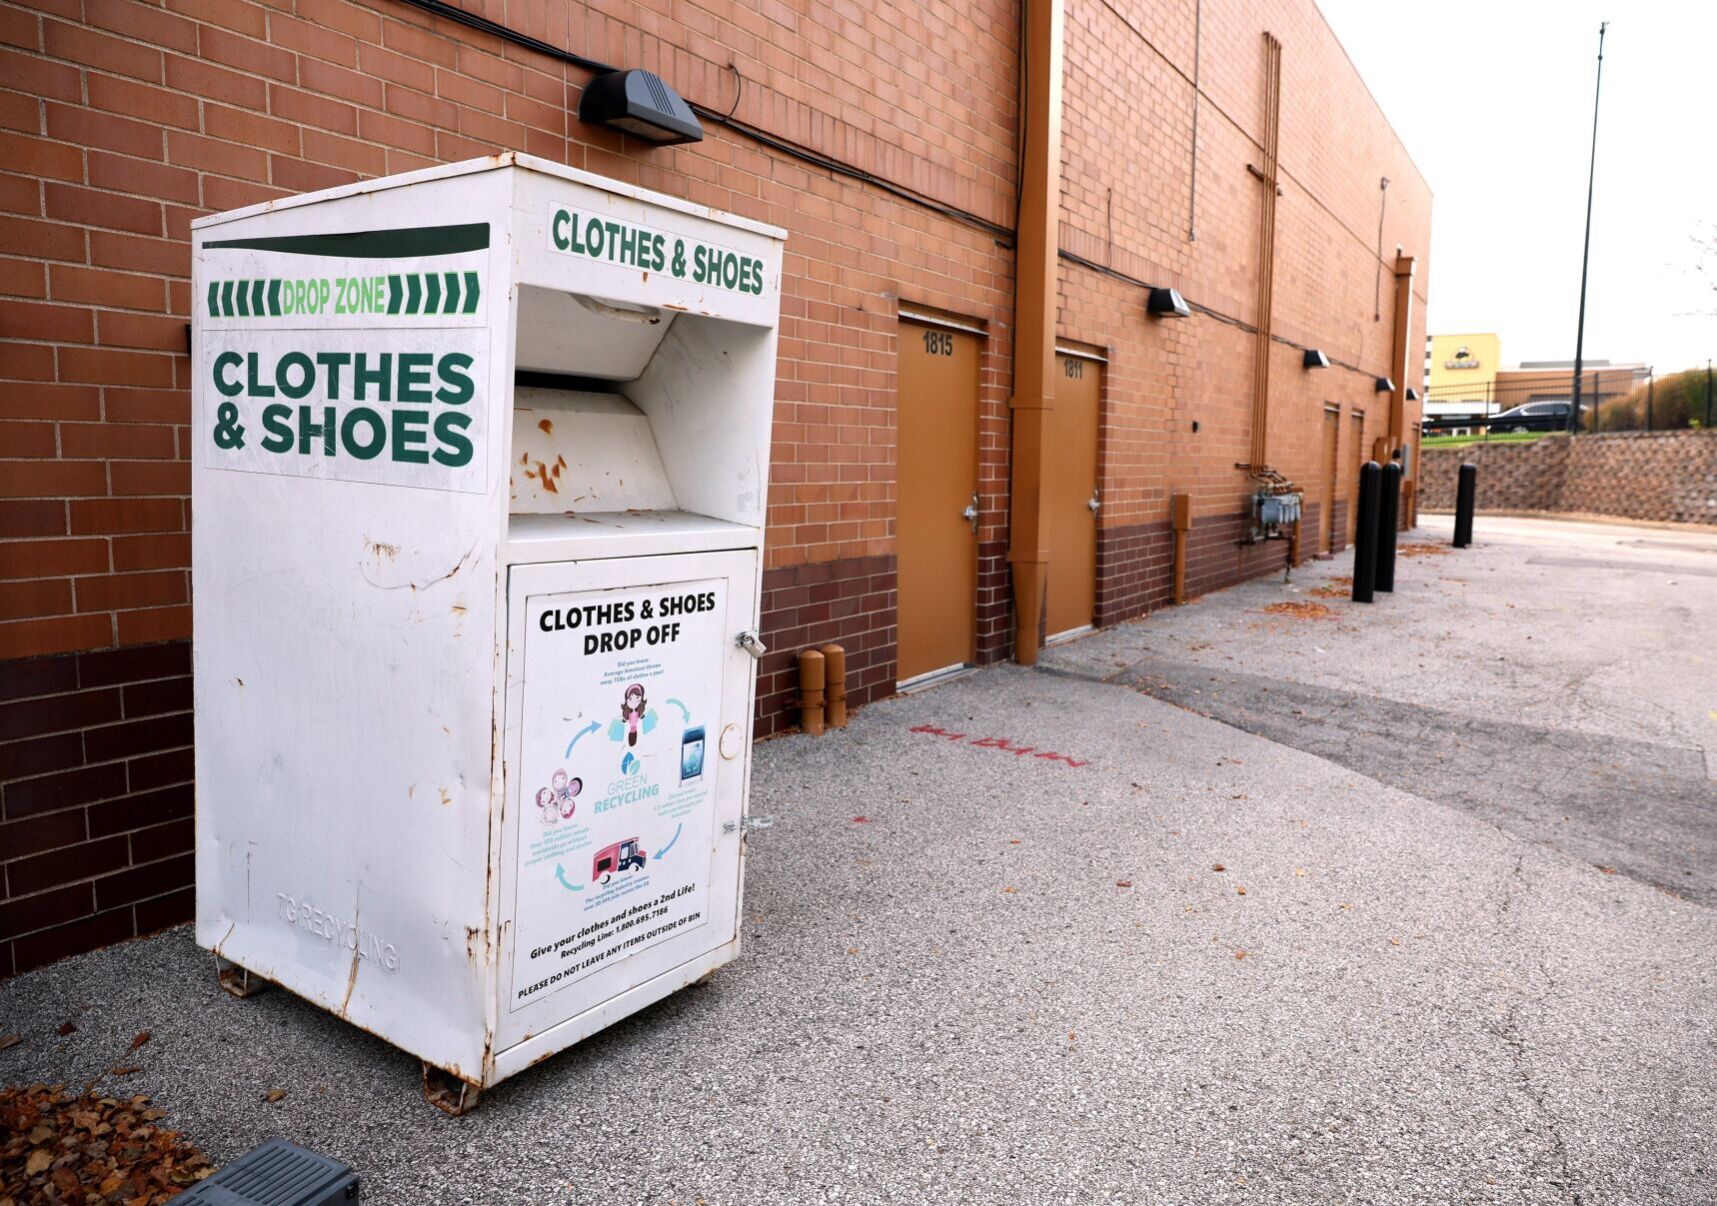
(1355, 450)
(1070, 483)
(1327, 481)
(935, 528)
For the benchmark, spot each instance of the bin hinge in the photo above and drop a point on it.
(748, 823)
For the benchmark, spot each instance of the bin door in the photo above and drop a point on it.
(620, 844)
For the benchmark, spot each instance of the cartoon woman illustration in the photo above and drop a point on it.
(565, 792)
(546, 805)
(632, 712)
(559, 798)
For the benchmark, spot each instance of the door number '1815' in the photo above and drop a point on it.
(939, 343)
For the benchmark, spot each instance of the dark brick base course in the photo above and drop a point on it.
(96, 787)
(1135, 564)
(96, 799)
(851, 603)
(1135, 571)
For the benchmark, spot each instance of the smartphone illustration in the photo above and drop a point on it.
(691, 755)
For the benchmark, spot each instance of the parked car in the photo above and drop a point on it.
(1534, 416)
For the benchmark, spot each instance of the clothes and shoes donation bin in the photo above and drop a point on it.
(480, 474)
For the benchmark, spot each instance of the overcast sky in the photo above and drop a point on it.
(1494, 101)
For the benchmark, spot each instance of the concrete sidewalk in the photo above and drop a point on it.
(978, 973)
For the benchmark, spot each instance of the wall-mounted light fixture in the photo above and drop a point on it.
(1412, 394)
(1385, 385)
(1167, 303)
(1314, 358)
(639, 103)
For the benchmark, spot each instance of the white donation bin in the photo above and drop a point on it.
(480, 468)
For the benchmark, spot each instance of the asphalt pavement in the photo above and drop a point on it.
(1120, 929)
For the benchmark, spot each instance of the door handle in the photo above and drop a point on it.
(1094, 503)
(970, 514)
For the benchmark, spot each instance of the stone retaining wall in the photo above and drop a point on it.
(1668, 476)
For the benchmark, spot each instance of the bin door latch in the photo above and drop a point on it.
(1095, 503)
(748, 823)
(751, 642)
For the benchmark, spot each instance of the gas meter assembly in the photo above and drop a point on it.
(480, 472)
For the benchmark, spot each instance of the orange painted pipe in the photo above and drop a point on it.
(1181, 509)
(835, 678)
(812, 668)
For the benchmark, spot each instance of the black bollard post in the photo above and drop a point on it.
(1466, 496)
(1388, 521)
(1365, 532)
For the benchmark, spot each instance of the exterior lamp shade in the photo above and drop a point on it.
(638, 103)
(1168, 303)
(1412, 394)
(1314, 358)
(1385, 385)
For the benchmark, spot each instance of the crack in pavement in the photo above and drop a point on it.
(1631, 807)
(1560, 1170)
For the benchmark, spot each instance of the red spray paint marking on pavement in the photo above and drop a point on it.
(997, 743)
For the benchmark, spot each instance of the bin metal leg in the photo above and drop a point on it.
(448, 1093)
(239, 981)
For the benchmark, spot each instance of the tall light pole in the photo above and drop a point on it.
(1586, 255)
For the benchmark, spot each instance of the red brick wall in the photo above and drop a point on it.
(121, 120)
(95, 844)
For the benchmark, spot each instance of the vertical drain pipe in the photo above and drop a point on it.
(1398, 361)
(1266, 253)
(1181, 506)
(1034, 318)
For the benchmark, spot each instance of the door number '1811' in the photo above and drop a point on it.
(939, 343)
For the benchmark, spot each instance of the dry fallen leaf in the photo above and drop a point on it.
(89, 1149)
(1299, 870)
(1217, 867)
(1123, 883)
(1604, 869)
(1010, 891)
(9, 1040)
(1240, 891)
(274, 1095)
(1239, 954)
(65, 1028)
(124, 1070)
(143, 1036)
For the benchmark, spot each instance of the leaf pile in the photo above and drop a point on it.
(90, 1150)
(1301, 611)
(1421, 550)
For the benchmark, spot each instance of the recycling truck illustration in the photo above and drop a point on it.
(481, 458)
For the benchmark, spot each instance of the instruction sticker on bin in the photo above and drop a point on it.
(616, 802)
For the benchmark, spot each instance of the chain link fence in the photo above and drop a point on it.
(1623, 398)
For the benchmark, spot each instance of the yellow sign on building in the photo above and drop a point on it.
(1463, 367)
